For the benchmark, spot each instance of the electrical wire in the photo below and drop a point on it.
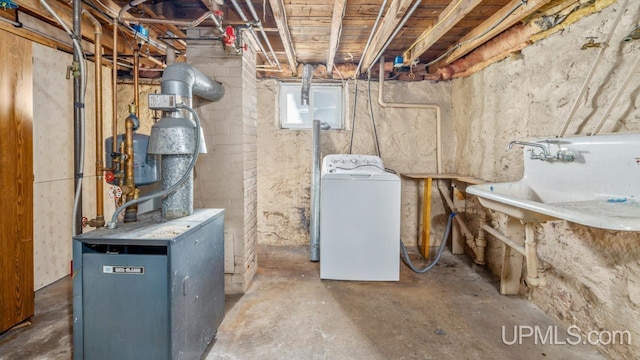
(175, 186)
(405, 254)
(353, 118)
(373, 120)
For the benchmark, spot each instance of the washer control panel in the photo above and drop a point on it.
(349, 163)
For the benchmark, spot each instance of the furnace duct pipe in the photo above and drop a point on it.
(314, 225)
(172, 137)
(178, 139)
(184, 80)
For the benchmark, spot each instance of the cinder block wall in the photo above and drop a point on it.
(226, 176)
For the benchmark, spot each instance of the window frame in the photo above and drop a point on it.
(285, 88)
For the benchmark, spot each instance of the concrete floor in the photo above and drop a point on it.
(452, 312)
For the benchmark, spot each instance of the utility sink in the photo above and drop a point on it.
(598, 185)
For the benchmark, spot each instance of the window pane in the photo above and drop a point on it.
(297, 114)
(327, 105)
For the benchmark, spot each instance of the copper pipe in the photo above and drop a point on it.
(114, 84)
(97, 31)
(136, 81)
(129, 188)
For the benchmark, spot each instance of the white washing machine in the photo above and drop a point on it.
(359, 219)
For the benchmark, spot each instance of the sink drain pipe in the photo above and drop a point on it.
(529, 251)
(477, 245)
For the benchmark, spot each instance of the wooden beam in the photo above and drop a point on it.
(280, 15)
(336, 29)
(33, 7)
(447, 19)
(40, 39)
(522, 12)
(391, 19)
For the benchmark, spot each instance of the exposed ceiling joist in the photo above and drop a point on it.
(449, 17)
(114, 8)
(339, 7)
(280, 16)
(468, 42)
(391, 19)
(38, 37)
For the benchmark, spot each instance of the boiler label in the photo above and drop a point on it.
(113, 269)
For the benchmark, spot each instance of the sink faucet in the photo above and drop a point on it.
(544, 155)
(562, 155)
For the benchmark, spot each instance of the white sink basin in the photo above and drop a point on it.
(600, 188)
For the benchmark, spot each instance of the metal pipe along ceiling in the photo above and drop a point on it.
(253, 33)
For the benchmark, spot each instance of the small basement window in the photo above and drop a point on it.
(325, 104)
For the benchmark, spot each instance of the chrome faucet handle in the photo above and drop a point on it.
(565, 155)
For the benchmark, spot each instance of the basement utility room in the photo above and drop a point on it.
(347, 179)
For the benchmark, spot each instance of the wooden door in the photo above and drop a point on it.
(16, 181)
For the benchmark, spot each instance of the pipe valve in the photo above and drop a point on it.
(229, 36)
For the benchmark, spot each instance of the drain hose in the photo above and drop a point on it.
(405, 254)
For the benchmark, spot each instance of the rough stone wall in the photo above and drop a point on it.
(226, 175)
(592, 275)
(407, 145)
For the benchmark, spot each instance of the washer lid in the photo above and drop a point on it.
(360, 176)
(357, 164)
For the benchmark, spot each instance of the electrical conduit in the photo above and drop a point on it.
(79, 107)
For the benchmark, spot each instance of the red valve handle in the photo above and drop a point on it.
(109, 177)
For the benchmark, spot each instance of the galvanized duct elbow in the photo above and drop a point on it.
(184, 80)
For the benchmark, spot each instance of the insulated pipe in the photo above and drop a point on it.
(97, 33)
(184, 81)
(616, 97)
(314, 224)
(253, 33)
(414, 106)
(594, 66)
